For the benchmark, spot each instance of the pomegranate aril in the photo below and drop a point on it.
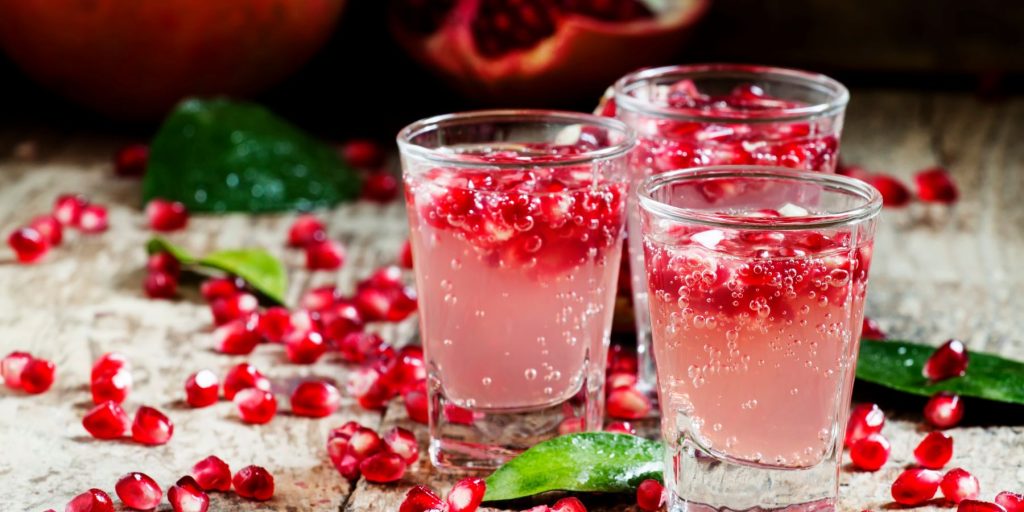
(93, 219)
(620, 427)
(384, 277)
(187, 496)
(233, 307)
(460, 415)
(363, 443)
(404, 371)
(1011, 501)
(212, 474)
(67, 209)
(570, 426)
(221, 288)
(138, 491)
(305, 230)
(160, 285)
(870, 453)
(864, 419)
(403, 443)
(202, 389)
(93, 500)
(416, 405)
(151, 427)
(112, 385)
(164, 262)
(621, 360)
(37, 376)
(345, 431)
(380, 187)
(254, 483)
(360, 347)
(620, 380)
(325, 255)
(948, 361)
(275, 323)
(935, 185)
(108, 363)
(166, 215)
(315, 399)
(242, 376)
(131, 160)
(12, 366)
(894, 193)
(49, 227)
(628, 404)
(944, 410)
(256, 405)
(392, 304)
(363, 154)
(106, 421)
(382, 468)
(319, 299)
(979, 506)
(239, 336)
(405, 255)
(569, 504)
(934, 451)
(421, 499)
(915, 486)
(466, 495)
(304, 347)
(28, 244)
(871, 330)
(650, 495)
(958, 485)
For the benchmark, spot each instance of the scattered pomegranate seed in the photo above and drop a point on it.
(853, 171)
(650, 495)
(894, 193)
(28, 244)
(380, 187)
(49, 227)
(958, 485)
(864, 419)
(67, 209)
(382, 468)
(202, 389)
(628, 404)
(915, 486)
(239, 336)
(138, 491)
(306, 229)
(303, 320)
(325, 255)
(948, 361)
(364, 442)
(360, 347)
(12, 366)
(405, 255)
(421, 499)
(304, 347)
(934, 451)
(112, 385)
(944, 410)
(164, 262)
(106, 421)
(621, 360)
(93, 219)
(460, 415)
(319, 299)
(403, 443)
(37, 376)
(416, 404)
(570, 504)
(404, 371)
(1011, 501)
(341, 319)
(233, 307)
(221, 288)
(254, 483)
(870, 453)
(131, 160)
(620, 427)
(315, 399)
(871, 330)
(256, 405)
(151, 427)
(979, 506)
(93, 500)
(242, 376)
(620, 380)
(570, 426)
(166, 215)
(363, 153)
(384, 277)
(160, 285)
(275, 323)
(466, 495)
(187, 496)
(392, 304)
(935, 185)
(212, 474)
(109, 363)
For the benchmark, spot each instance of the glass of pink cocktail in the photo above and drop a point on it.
(757, 279)
(516, 221)
(721, 114)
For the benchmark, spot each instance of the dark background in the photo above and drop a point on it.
(362, 84)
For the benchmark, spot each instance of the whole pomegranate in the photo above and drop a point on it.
(134, 60)
(540, 51)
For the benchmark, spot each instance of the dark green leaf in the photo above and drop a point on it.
(588, 462)
(258, 267)
(898, 365)
(218, 155)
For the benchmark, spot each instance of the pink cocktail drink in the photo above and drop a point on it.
(516, 233)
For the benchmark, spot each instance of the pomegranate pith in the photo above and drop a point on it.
(948, 361)
(202, 389)
(934, 451)
(915, 486)
(138, 491)
(958, 485)
(944, 410)
(28, 244)
(315, 399)
(650, 495)
(212, 474)
(151, 427)
(254, 483)
(93, 500)
(187, 496)
(106, 421)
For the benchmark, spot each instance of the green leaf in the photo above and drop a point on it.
(588, 462)
(898, 365)
(260, 269)
(219, 155)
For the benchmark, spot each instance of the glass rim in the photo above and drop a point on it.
(624, 85)
(407, 146)
(870, 206)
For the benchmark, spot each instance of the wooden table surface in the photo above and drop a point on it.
(938, 273)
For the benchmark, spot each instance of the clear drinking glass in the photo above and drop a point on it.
(517, 220)
(722, 114)
(757, 280)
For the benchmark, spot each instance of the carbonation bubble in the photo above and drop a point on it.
(530, 373)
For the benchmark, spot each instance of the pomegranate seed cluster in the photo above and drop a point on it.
(25, 372)
(33, 241)
(933, 185)
(465, 496)
(368, 157)
(356, 450)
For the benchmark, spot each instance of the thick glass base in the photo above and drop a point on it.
(702, 482)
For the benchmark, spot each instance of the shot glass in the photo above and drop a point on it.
(516, 220)
(722, 114)
(757, 279)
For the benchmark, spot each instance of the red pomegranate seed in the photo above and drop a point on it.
(360, 347)
(325, 255)
(345, 431)
(221, 288)
(948, 361)
(935, 185)
(405, 255)
(944, 410)
(402, 443)
(160, 285)
(620, 380)
(934, 451)
(650, 495)
(628, 404)
(365, 384)
(416, 404)
(363, 153)
(404, 371)
(151, 427)
(49, 227)
(979, 506)
(958, 485)
(315, 399)
(853, 171)
(466, 495)
(256, 405)
(37, 376)
(348, 466)
(460, 415)
(319, 299)
(620, 427)
(28, 244)
(106, 421)
(239, 336)
(303, 320)
(131, 160)
(304, 347)
(385, 277)
(12, 366)
(254, 483)
(421, 499)
(870, 453)
(570, 426)
(621, 360)
(864, 419)
(364, 442)
(187, 496)
(138, 491)
(569, 504)
(166, 215)
(202, 389)
(67, 209)
(871, 330)
(212, 474)
(109, 363)
(233, 307)
(392, 304)
(275, 323)
(93, 219)
(382, 468)
(305, 230)
(380, 187)
(242, 376)
(93, 500)
(894, 193)
(915, 486)
(164, 262)
(112, 385)
(1011, 501)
